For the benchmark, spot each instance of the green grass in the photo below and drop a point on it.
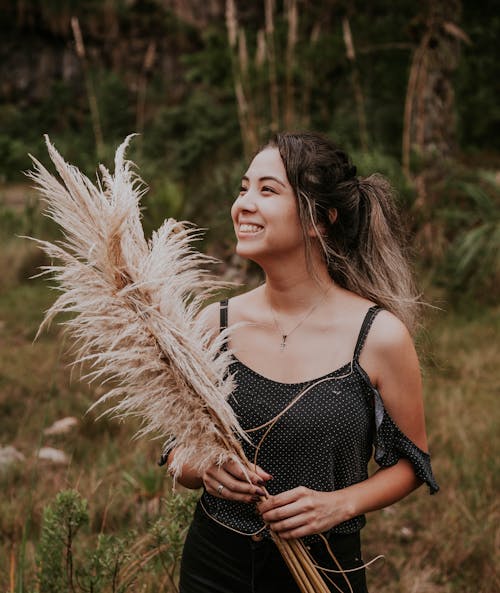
(442, 544)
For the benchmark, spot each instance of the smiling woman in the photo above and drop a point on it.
(326, 373)
(265, 214)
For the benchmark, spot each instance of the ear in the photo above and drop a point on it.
(332, 215)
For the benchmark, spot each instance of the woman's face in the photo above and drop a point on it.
(264, 214)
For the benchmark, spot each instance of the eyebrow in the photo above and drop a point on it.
(266, 178)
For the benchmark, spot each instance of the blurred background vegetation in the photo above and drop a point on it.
(411, 90)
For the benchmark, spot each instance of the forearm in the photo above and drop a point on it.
(302, 511)
(385, 487)
(188, 478)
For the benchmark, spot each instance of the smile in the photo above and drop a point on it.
(250, 229)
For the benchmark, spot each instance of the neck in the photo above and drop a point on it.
(290, 292)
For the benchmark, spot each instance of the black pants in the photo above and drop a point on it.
(217, 560)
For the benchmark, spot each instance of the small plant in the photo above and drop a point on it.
(103, 566)
(168, 533)
(114, 563)
(61, 522)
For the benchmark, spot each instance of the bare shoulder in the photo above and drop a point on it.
(388, 334)
(389, 354)
(391, 362)
(246, 306)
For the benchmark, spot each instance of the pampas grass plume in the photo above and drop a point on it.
(134, 306)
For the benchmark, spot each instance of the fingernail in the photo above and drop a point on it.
(255, 498)
(261, 482)
(260, 492)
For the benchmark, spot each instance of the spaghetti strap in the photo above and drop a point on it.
(223, 314)
(223, 320)
(365, 328)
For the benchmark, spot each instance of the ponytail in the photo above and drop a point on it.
(376, 265)
(363, 244)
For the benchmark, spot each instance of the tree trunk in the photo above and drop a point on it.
(429, 126)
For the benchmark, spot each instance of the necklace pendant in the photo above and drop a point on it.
(283, 342)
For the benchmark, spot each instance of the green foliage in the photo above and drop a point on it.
(13, 153)
(168, 532)
(145, 482)
(61, 522)
(390, 167)
(21, 259)
(101, 569)
(116, 106)
(473, 260)
(164, 200)
(114, 562)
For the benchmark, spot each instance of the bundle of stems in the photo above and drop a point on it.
(134, 306)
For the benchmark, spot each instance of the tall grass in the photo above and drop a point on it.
(449, 543)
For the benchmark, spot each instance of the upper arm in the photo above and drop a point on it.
(390, 359)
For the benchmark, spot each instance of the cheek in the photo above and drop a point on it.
(234, 210)
(291, 216)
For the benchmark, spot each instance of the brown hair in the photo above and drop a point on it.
(363, 245)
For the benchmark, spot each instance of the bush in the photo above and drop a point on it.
(114, 562)
(61, 522)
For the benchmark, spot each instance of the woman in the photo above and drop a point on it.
(326, 371)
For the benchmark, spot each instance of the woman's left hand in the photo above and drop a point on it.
(302, 511)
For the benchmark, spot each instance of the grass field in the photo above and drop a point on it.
(448, 543)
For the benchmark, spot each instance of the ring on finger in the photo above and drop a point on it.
(220, 488)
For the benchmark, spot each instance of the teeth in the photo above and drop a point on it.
(250, 228)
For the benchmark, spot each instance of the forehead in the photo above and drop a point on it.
(267, 162)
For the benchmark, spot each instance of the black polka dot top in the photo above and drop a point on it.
(324, 440)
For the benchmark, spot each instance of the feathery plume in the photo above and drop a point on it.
(134, 306)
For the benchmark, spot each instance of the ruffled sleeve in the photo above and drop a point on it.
(391, 445)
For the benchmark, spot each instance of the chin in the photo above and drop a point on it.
(248, 252)
(244, 251)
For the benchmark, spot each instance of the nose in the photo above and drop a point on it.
(246, 202)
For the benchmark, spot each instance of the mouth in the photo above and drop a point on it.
(248, 229)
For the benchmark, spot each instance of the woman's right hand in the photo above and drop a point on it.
(230, 482)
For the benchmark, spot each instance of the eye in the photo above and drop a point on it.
(243, 189)
(268, 189)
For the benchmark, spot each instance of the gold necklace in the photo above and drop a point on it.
(285, 336)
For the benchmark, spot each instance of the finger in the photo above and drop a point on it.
(234, 489)
(282, 499)
(266, 476)
(232, 485)
(221, 490)
(282, 513)
(227, 472)
(244, 487)
(247, 474)
(290, 524)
